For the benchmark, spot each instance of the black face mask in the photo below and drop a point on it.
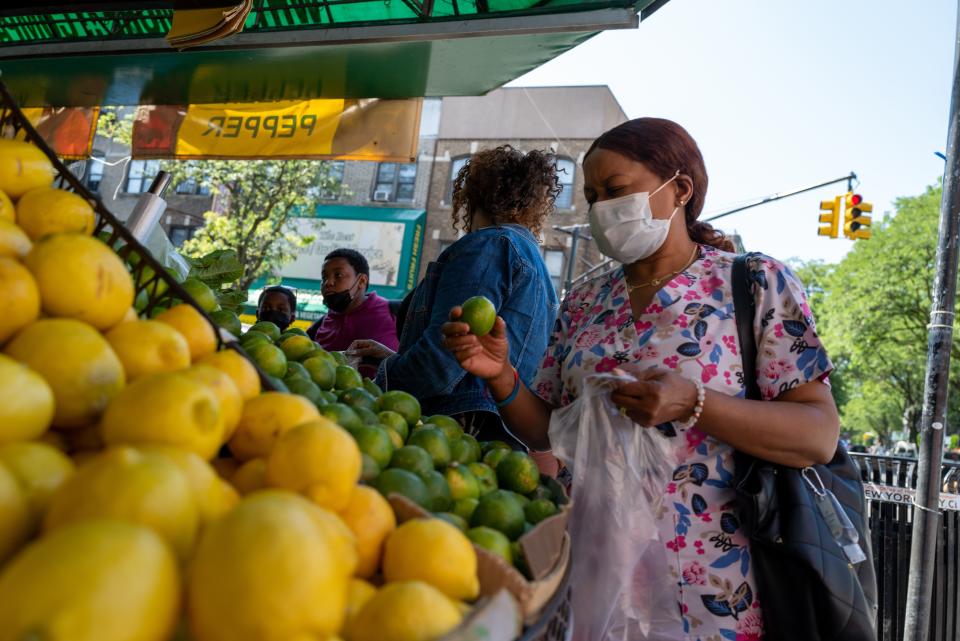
(340, 301)
(275, 316)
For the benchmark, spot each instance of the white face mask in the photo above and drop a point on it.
(625, 229)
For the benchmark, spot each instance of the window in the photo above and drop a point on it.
(554, 261)
(566, 172)
(94, 172)
(140, 175)
(191, 188)
(455, 166)
(179, 234)
(395, 181)
(335, 173)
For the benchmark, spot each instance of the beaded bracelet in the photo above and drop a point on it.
(698, 408)
(513, 394)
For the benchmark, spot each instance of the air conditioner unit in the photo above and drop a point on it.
(381, 196)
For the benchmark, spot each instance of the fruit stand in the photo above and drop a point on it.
(161, 476)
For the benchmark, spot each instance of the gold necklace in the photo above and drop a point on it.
(656, 282)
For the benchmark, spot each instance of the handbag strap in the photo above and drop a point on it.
(744, 308)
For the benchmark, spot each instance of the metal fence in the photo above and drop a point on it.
(890, 485)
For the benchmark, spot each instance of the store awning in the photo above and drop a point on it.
(295, 49)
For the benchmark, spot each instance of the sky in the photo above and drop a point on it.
(781, 95)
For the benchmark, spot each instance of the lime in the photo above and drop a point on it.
(493, 457)
(358, 397)
(539, 509)
(413, 459)
(227, 320)
(295, 330)
(501, 511)
(201, 294)
(253, 336)
(464, 449)
(492, 541)
(325, 355)
(480, 314)
(394, 437)
(464, 508)
(321, 371)
(453, 519)
(268, 328)
(434, 442)
(463, 484)
(542, 492)
(347, 378)
(276, 384)
(296, 370)
(269, 357)
(520, 560)
(368, 417)
(518, 472)
(370, 470)
(486, 446)
(486, 477)
(451, 428)
(305, 388)
(339, 358)
(395, 422)
(342, 415)
(372, 387)
(296, 347)
(438, 492)
(403, 404)
(375, 443)
(328, 397)
(519, 498)
(398, 481)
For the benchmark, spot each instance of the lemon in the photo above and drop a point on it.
(264, 419)
(212, 496)
(26, 402)
(141, 487)
(371, 519)
(23, 167)
(358, 594)
(7, 210)
(166, 409)
(99, 580)
(231, 403)
(147, 347)
(46, 210)
(76, 362)
(434, 551)
(194, 327)
(80, 277)
(242, 371)
(319, 459)
(251, 476)
(269, 571)
(40, 469)
(405, 611)
(14, 242)
(129, 317)
(15, 517)
(20, 296)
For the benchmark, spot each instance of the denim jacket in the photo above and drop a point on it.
(502, 263)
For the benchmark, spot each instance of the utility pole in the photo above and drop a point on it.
(849, 178)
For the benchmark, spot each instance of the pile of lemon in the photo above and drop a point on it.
(116, 521)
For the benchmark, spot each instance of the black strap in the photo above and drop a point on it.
(744, 308)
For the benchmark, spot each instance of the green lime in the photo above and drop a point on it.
(486, 477)
(542, 492)
(347, 378)
(325, 355)
(342, 415)
(464, 449)
(370, 470)
(269, 357)
(295, 330)
(201, 294)
(328, 397)
(518, 472)
(296, 347)
(520, 560)
(434, 442)
(539, 509)
(297, 370)
(372, 387)
(412, 458)
(450, 426)
(375, 443)
(486, 446)
(268, 328)
(519, 498)
(493, 457)
(492, 541)
(403, 404)
(453, 519)
(368, 417)
(404, 482)
(277, 384)
(464, 508)
(227, 320)
(305, 388)
(480, 314)
(395, 422)
(501, 511)
(557, 492)
(358, 397)
(339, 358)
(253, 336)
(321, 371)
(463, 484)
(394, 437)
(438, 492)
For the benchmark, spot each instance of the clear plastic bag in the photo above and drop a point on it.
(622, 588)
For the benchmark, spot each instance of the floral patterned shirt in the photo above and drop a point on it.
(690, 328)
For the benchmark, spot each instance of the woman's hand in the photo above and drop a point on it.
(658, 396)
(370, 349)
(485, 357)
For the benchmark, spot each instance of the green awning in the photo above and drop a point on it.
(298, 49)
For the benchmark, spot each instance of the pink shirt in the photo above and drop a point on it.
(370, 321)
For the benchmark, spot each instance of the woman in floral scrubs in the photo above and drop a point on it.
(666, 315)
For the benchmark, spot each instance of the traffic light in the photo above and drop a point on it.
(831, 219)
(856, 225)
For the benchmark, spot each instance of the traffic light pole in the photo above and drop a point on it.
(926, 515)
(849, 178)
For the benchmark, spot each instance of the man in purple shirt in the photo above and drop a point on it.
(354, 313)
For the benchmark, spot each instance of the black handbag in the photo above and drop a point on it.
(809, 590)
